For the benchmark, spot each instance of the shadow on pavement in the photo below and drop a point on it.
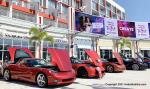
(33, 85)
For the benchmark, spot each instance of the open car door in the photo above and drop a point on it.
(17, 53)
(95, 58)
(60, 57)
(119, 58)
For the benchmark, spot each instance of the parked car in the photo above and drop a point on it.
(114, 64)
(133, 63)
(25, 67)
(146, 60)
(91, 67)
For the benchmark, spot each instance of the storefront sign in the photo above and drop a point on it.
(142, 30)
(89, 23)
(111, 28)
(126, 29)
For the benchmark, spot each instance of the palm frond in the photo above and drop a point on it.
(50, 39)
(34, 31)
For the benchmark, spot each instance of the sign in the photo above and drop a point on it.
(89, 23)
(111, 28)
(126, 29)
(142, 30)
(149, 29)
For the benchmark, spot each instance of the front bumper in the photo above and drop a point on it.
(61, 78)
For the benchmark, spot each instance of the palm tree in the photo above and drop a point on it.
(37, 35)
(124, 42)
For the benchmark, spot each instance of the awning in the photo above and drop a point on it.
(61, 58)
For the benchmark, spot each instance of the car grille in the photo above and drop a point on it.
(65, 80)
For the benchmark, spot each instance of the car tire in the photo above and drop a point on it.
(82, 72)
(7, 75)
(135, 67)
(109, 68)
(41, 80)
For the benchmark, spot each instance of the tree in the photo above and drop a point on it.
(124, 42)
(37, 35)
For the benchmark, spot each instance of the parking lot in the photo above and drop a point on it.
(127, 80)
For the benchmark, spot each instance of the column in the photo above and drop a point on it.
(133, 49)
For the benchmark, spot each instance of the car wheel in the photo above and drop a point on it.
(109, 68)
(7, 75)
(41, 80)
(82, 72)
(135, 67)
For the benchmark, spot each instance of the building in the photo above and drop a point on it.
(18, 16)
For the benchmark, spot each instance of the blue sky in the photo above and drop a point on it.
(136, 10)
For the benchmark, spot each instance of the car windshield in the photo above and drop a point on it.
(38, 62)
(104, 60)
(75, 60)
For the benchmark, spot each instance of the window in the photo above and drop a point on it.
(102, 2)
(126, 53)
(64, 10)
(94, 5)
(82, 54)
(105, 53)
(6, 56)
(44, 3)
(146, 53)
(65, 1)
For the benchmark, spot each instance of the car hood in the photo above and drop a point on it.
(60, 58)
(119, 58)
(95, 58)
(12, 52)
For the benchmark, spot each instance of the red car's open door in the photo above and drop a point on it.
(13, 51)
(119, 58)
(61, 58)
(94, 57)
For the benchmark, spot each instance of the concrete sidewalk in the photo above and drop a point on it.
(127, 80)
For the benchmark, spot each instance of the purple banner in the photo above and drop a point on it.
(149, 29)
(126, 29)
(89, 23)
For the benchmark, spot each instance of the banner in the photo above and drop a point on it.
(89, 23)
(149, 29)
(111, 28)
(126, 29)
(142, 30)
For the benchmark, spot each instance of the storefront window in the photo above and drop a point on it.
(16, 42)
(146, 53)
(25, 43)
(126, 53)
(105, 53)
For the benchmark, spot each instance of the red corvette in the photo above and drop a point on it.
(28, 68)
(114, 64)
(92, 67)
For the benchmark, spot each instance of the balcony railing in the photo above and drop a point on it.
(24, 16)
(32, 5)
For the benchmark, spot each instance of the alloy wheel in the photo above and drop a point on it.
(109, 68)
(6, 75)
(135, 67)
(41, 80)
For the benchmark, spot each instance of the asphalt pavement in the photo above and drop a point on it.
(127, 80)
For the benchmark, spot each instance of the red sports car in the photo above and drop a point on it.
(91, 67)
(27, 68)
(114, 64)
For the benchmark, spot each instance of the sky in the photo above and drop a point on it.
(136, 10)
